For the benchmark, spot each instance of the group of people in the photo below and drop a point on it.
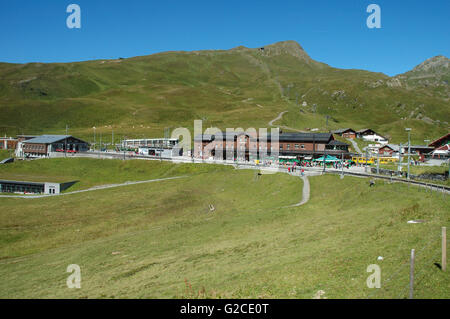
(293, 169)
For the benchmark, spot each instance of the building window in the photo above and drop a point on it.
(288, 146)
(303, 146)
(296, 146)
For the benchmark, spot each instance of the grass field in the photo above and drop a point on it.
(5, 154)
(418, 170)
(92, 172)
(160, 239)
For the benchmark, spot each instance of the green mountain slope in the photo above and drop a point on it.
(240, 87)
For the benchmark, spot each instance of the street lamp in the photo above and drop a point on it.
(409, 146)
(399, 158)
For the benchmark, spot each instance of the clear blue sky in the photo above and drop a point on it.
(333, 31)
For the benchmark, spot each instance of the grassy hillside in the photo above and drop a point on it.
(92, 172)
(241, 87)
(5, 154)
(161, 240)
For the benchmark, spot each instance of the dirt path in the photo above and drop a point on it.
(355, 145)
(93, 188)
(279, 117)
(305, 193)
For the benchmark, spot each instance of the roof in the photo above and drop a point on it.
(21, 182)
(336, 142)
(393, 147)
(305, 137)
(283, 137)
(223, 135)
(203, 137)
(47, 139)
(343, 130)
(425, 147)
(299, 137)
(438, 142)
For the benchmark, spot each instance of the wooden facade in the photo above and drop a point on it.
(242, 146)
(346, 133)
(8, 143)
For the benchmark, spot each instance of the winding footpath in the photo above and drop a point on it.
(305, 193)
(279, 117)
(355, 145)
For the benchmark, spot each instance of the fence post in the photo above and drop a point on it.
(444, 248)
(411, 275)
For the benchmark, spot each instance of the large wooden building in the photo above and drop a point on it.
(45, 145)
(242, 146)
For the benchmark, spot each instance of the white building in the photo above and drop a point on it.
(371, 136)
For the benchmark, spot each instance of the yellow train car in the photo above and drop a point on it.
(388, 160)
(363, 160)
(373, 160)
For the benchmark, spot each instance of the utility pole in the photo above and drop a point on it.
(324, 155)
(399, 158)
(65, 143)
(409, 147)
(378, 162)
(342, 165)
(94, 138)
(365, 167)
(327, 117)
(112, 139)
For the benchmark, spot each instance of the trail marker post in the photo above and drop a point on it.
(444, 248)
(411, 275)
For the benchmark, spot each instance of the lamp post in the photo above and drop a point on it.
(409, 146)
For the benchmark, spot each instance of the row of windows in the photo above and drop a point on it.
(296, 146)
(288, 146)
(35, 147)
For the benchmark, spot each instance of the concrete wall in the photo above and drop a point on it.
(52, 188)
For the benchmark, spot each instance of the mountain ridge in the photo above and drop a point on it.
(140, 96)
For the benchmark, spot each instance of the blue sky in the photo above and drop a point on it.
(333, 31)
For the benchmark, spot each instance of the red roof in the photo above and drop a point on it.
(439, 141)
